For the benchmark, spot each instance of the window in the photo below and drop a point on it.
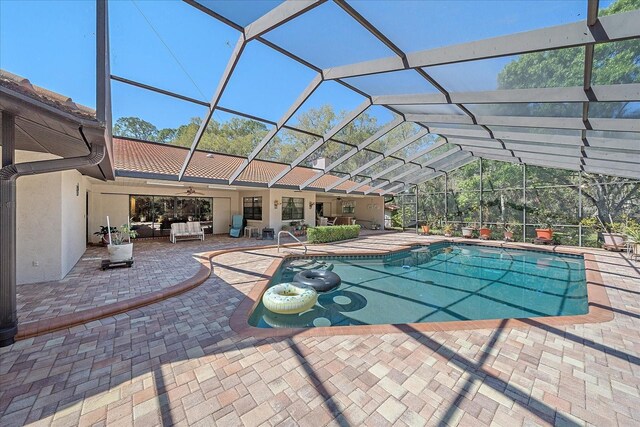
(292, 209)
(252, 208)
(152, 216)
(348, 207)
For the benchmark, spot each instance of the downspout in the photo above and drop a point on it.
(15, 171)
(8, 176)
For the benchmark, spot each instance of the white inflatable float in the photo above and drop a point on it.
(289, 298)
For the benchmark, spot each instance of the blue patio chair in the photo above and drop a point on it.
(236, 226)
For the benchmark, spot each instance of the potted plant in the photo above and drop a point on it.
(104, 234)
(121, 248)
(427, 225)
(545, 232)
(485, 233)
(448, 230)
(425, 228)
(508, 233)
(468, 231)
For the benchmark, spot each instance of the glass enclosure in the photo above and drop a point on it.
(152, 216)
(493, 193)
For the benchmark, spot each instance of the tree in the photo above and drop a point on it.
(614, 63)
(135, 127)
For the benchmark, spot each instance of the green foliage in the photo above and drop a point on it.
(104, 230)
(134, 127)
(614, 63)
(122, 234)
(632, 230)
(596, 224)
(332, 233)
(118, 235)
(448, 228)
(396, 219)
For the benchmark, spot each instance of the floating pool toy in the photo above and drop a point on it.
(320, 280)
(289, 298)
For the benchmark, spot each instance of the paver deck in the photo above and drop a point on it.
(179, 362)
(158, 265)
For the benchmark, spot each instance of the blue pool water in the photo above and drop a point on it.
(438, 283)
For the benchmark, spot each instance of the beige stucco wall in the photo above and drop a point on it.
(112, 199)
(73, 195)
(368, 210)
(50, 222)
(275, 214)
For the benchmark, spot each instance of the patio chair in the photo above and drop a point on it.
(332, 220)
(323, 221)
(237, 222)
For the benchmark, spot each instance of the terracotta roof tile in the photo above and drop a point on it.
(259, 171)
(22, 85)
(210, 165)
(145, 157)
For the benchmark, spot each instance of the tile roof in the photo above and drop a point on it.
(163, 159)
(62, 102)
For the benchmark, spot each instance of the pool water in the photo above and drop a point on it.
(437, 283)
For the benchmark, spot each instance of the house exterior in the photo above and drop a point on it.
(57, 214)
(69, 206)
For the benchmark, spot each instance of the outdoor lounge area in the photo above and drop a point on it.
(320, 213)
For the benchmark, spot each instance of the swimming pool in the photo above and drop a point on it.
(437, 283)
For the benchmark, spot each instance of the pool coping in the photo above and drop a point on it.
(598, 300)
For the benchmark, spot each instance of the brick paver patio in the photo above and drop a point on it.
(158, 264)
(179, 362)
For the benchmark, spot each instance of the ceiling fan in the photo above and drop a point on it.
(190, 192)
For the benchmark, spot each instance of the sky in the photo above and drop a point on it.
(171, 45)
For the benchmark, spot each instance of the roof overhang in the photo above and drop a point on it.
(42, 127)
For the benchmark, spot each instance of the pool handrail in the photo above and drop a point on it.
(294, 238)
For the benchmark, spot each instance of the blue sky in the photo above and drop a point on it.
(173, 46)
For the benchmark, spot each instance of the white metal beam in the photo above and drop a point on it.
(448, 167)
(313, 85)
(222, 84)
(274, 18)
(330, 134)
(427, 164)
(373, 138)
(279, 15)
(399, 165)
(620, 26)
(379, 158)
(620, 125)
(603, 93)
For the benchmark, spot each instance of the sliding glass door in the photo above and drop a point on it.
(153, 215)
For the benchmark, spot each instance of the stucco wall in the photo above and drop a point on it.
(74, 226)
(275, 214)
(368, 210)
(50, 223)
